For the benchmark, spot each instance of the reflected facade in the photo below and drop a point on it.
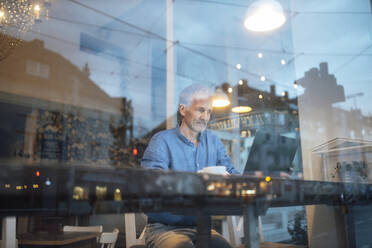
(90, 82)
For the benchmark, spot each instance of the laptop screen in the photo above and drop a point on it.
(271, 152)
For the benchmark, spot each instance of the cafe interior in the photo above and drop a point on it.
(85, 85)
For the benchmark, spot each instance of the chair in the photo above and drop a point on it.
(108, 239)
(131, 240)
(233, 231)
(97, 229)
(82, 228)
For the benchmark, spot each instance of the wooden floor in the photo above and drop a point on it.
(277, 245)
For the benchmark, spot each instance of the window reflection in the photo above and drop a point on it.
(90, 82)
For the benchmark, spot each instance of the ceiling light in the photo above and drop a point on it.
(240, 82)
(220, 99)
(262, 78)
(238, 66)
(283, 62)
(230, 90)
(260, 55)
(264, 15)
(241, 109)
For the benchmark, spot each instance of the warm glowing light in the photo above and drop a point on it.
(283, 62)
(211, 187)
(241, 109)
(1, 13)
(250, 191)
(238, 66)
(37, 8)
(19, 187)
(37, 173)
(260, 96)
(117, 195)
(264, 15)
(7, 185)
(230, 90)
(35, 186)
(262, 78)
(240, 82)
(295, 85)
(283, 93)
(135, 151)
(260, 55)
(220, 103)
(267, 179)
(220, 99)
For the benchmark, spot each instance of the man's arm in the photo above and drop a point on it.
(156, 154)
(223, 159)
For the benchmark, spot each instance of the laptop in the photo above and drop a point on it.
(271, 153)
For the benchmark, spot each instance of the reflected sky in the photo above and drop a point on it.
(212, 40)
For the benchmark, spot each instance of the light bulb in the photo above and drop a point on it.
(264, 15)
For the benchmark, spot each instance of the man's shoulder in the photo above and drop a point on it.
(164, 134)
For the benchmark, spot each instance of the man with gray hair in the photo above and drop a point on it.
(188, 147)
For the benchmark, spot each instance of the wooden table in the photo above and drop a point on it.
(58, 239)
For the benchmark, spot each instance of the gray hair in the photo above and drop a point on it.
(192, 92)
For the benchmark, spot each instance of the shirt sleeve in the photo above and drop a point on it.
(224, 159)
(156, 155)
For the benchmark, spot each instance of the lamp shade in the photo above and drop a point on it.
(264, 15)
(220, 99)
(241, 109)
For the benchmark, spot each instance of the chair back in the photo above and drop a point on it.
(131, 239)
(108, 239)
(82, 228)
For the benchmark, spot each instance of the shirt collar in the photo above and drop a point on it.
(186, 140)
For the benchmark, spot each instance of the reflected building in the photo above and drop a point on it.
(61, 114)
(273, 116)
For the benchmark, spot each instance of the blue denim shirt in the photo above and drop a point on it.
(170, 150)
